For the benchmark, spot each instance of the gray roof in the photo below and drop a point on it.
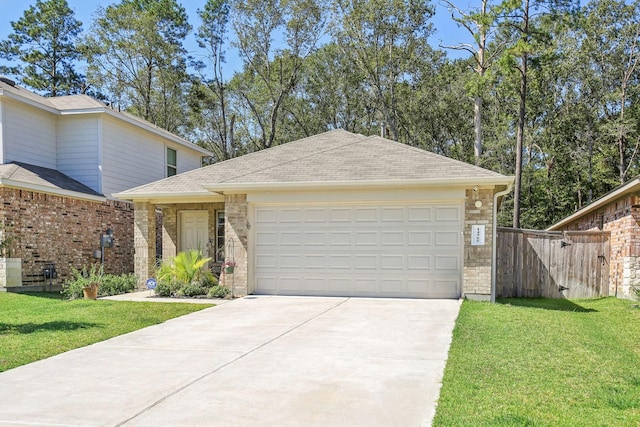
(335, 158)
(37, 177)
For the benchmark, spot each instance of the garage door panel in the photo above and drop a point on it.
(448, 238)
(366, 238)
(419, 262)
(447, 263)
(393, 215)
(394, 251)
(392, 262)
(393, 238)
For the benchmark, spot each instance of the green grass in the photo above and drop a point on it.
(537, 362)
(40, 325)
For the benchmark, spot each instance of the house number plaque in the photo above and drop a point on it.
(477, 235)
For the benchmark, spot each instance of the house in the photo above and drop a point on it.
(617, 212)
(61, 161)
(333, 214)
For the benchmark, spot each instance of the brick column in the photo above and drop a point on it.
(169, 232)
(236, 231)
(477, 259)
(144, 233)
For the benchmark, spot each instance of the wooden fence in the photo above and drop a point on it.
(552, 264)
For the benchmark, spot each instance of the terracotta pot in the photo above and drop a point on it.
(90, 292)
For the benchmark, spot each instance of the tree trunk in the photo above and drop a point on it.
(477, 127)
(519, 142)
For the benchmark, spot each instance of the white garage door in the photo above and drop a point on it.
(359, 250)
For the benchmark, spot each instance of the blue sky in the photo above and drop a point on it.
(12, 10)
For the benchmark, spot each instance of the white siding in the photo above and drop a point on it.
(29, 135)
(133, 157)
(78, 149)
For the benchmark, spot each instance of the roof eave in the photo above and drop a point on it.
(329, 185)
(169, 197)
(629, 187)
(50, 190)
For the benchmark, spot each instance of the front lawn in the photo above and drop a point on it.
(538, 362)
(40, 325)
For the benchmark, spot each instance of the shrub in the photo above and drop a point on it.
(192, 290)
(113, 284)
(184, 275)
(218, 291)
(167, 289)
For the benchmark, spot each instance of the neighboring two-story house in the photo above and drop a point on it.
(61, 160)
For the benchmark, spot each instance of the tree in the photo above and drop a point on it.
(387, 42)
(271, 73)
(610, 50)
(209, 96)
(519, 25)
(481, 23)
(44, 44)
(135, 54)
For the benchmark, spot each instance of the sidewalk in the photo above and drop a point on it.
(150, 296)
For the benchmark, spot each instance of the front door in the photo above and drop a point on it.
(194, 231)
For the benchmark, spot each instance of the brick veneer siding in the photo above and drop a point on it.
(621, 218)
(236, 231)
(66, 231)
(477, 259)
(144, 237)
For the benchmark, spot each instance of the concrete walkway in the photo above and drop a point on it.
(256, 361)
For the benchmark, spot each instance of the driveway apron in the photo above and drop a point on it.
(256, 361)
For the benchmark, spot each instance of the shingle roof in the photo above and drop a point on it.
(326, 159)
(32, 176)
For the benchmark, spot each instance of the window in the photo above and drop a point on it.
(172, 162)
(220, 236)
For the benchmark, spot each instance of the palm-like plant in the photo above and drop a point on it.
(186, 268)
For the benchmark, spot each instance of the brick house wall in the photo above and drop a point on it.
(64, 230)
(478, 259)
(621, 218)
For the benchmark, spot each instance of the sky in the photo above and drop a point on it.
(446, 31)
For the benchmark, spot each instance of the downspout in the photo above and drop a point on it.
(495, 238)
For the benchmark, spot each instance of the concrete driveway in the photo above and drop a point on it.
(272, 361)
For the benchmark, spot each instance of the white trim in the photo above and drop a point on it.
(228, 188)
(50, 190)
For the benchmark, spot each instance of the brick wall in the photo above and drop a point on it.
(65, 231)
(236, 231)
(621, 218)
(477, 259)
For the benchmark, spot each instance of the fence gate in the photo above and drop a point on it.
(552, 264)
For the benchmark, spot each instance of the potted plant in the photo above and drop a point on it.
(229, 267)
(83, 283)
(10, 268)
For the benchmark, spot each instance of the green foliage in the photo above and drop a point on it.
(218, 291)
(187, 267)
(39, 325)
(185, 275)
(117, 284)
(44, 42)
(80, 279)
(136, 56)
